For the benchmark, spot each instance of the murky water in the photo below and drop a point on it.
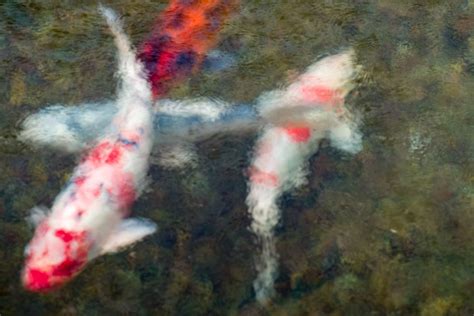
(385, 232)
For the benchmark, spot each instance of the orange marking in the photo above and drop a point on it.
(186, 29)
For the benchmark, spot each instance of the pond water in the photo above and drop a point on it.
(387, 231)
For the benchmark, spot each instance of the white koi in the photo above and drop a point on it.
(282, 152)
(87, 218)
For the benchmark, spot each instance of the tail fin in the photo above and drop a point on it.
(130, 70)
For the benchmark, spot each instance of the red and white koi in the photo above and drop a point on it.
(282, 152)
(87, 219)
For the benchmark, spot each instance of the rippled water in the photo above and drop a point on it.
(386, 232)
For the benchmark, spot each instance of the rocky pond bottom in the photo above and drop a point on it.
(385, 231)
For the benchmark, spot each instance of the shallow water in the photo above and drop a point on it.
(385, 232)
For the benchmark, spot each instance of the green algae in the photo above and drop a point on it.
(18, 88)
(387, 232)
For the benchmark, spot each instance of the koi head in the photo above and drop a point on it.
(323, 85)
(329, 80)
(54, 257)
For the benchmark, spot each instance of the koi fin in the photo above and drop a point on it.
(346, 137)
(176, 156)
(132, 76)
(37, 215)
(217, 60)
(129, 232)
(68, 128)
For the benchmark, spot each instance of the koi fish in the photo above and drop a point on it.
(180, 40)
(88, 218)
(282, 152)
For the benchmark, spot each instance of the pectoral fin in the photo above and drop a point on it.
(176, 156)
(346, 136)
(37, 215)
(129, 232)
(218, 60)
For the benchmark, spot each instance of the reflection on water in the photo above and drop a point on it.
(388, 231)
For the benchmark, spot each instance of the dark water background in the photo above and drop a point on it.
(389, 231)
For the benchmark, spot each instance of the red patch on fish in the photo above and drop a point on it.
(79, 181)
(37, 280)
(319, 94)
(75, 253)
(262, 177)
(298, 134)
(114, 155)
(64, 235)
(97, 153)
(68, 267)
(105, 152)
(125, 193)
